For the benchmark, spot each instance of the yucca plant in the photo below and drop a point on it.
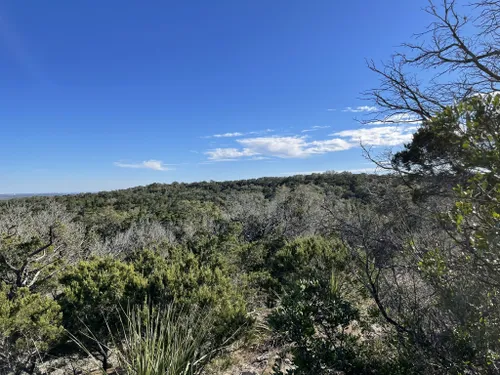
(160, 341)
(168, 341)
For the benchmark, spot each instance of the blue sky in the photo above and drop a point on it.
(106, 95)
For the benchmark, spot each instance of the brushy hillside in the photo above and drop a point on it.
(230, 249)
(324, 274)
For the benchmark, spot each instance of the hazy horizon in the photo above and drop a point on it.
(50, 193)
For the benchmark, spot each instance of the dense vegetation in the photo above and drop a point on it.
(356, 274)
(225, 248)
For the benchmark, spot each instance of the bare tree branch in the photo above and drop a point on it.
(462, 51)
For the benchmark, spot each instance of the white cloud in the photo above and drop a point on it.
(238, 134)
(156, 165)
(361, 108)
(398, 118)
(260, 158)
(227, 135)
(280, 147)
(331, 109)
(379, 136)
(227, 154)
(329, 145)
(487, 94)
(314, 128)
(283, 147)
(288, 147)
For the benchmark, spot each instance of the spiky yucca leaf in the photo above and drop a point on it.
(164, 342)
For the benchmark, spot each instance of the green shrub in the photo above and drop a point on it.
(325, 334)
(183, 280)
(30, 325)
(93, 296)
(319, 312)
(308, 257)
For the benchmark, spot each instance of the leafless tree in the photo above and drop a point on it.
(253, 212)
(291, 213)
(139, 236)
(461, 50)
(298, 211)
(34, 244)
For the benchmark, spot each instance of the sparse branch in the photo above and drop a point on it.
(400, 93)
(25, 275)
(45, 247)
(465, 46)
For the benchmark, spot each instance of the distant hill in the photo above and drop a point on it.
(27, 195)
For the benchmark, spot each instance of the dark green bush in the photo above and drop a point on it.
(325, 333)
(30, 325)
(308, 257)
(184, 280)
(95, 292)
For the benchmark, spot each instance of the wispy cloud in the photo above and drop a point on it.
(314, 128)
(238, 134)
(156, 165)
(228, 135)
(379, 136)
(283, 147)
(228, 154)
(260, 158)
(361, 108)
(331, 109)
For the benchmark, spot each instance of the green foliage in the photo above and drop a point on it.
(30, 325)
(253, 257)
(465, 275)
(94, 289)
(458, 140)
(308, 257)
(315, 319)
(184, 280)
(220, 251)
(206, 256)
(317, 316)
(106, 221)
(95, 292)
(324, 330)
